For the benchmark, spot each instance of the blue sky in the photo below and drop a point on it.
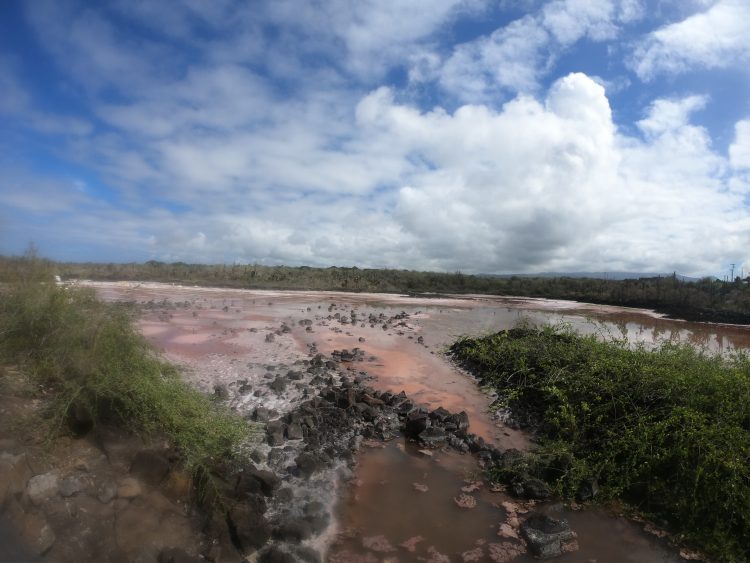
(494, 137)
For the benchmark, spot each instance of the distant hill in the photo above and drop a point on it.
(595, 275)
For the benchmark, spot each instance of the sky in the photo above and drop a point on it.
(483, 136)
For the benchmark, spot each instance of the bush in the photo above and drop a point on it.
(99, 368)
(666, 430)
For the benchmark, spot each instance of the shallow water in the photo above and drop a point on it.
(220, 338)
(383, 501)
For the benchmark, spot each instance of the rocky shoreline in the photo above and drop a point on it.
(320, 438)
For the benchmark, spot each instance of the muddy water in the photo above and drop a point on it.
(219, 336)
(385, 502)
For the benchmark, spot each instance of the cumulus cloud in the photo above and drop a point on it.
(715, 38)
(554, 185)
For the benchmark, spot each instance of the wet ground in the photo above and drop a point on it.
(398, 494)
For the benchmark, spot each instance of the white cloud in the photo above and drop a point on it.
(715, 38)
(257, 150)
(554, 186)
(739, 151)
(668, 114)
(510, 58)
(515, 58)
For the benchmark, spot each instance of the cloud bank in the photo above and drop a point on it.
(278, 134)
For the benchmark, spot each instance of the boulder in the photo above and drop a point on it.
(416, 423)
(461, 420)
(536, 489)
(440, 414)
(248, 527)
(267, 480)
(42, 487)
(275, 433)
(433, 437)
(294, 431)
(547, 537)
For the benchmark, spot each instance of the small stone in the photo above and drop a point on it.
(422, 488)
(129, 488)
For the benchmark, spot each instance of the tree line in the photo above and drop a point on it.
(707, 299)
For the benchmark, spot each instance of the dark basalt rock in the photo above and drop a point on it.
(261, 414)
(588, 490)
(536, 489)
(416, 423)
(433, 437)
(547, 537)
(292, 529)
(294, 431)
(248, 527)
(267, 481)
(275, 433)
(308, 463)
(440, 414)
(278, 384)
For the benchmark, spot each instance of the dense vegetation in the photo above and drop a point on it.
(667, 430)
(98, 369)
(708, 299)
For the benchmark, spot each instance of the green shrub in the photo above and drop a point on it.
(97, 365)
(666, 430)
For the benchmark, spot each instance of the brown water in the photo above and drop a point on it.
(384, 502)
(382, 508)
